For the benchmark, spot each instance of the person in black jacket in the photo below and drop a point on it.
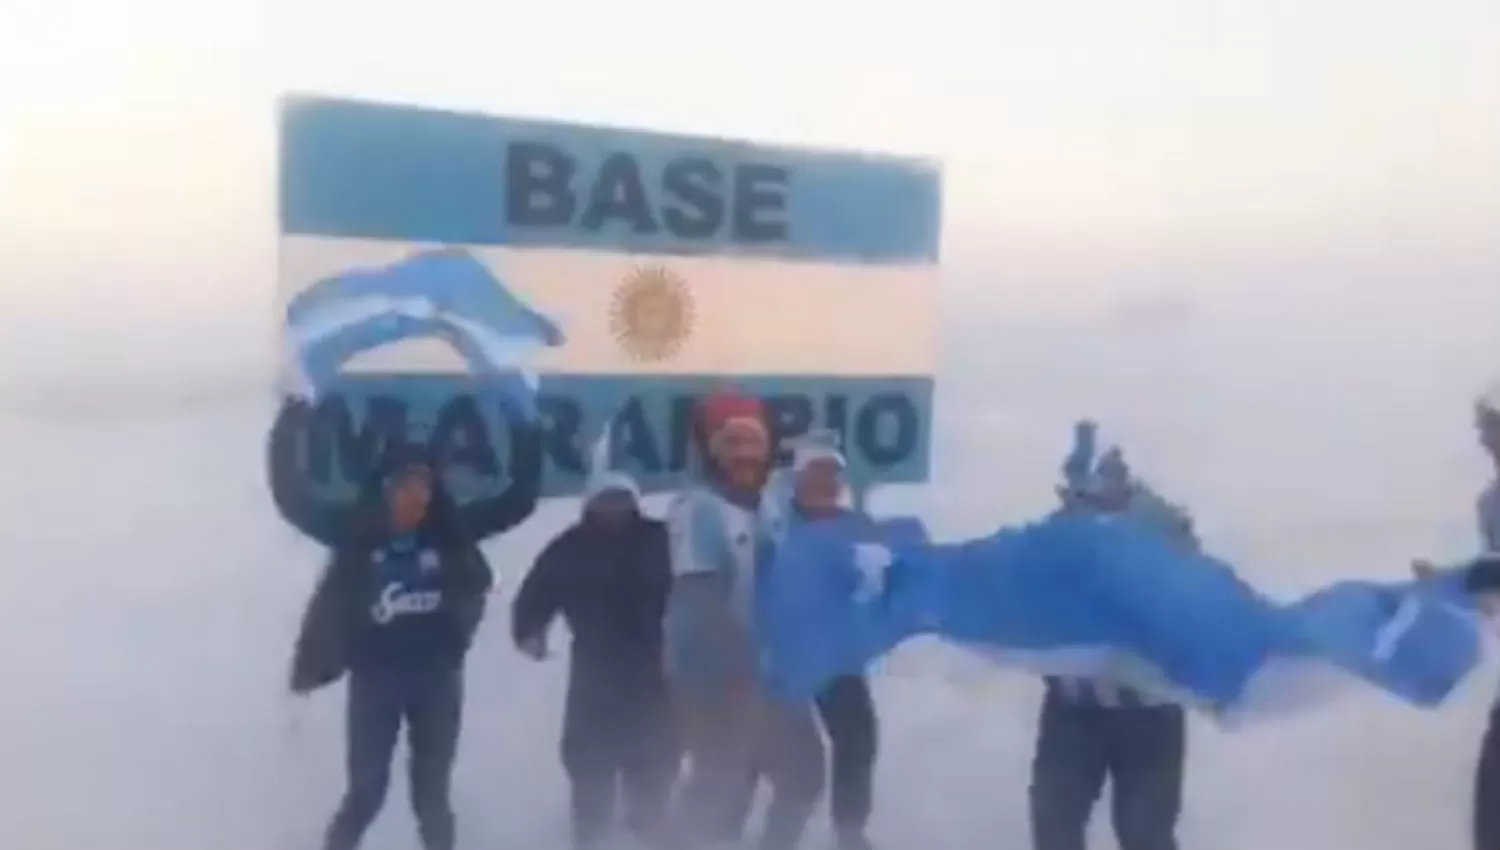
(608, 576)
(396, 607)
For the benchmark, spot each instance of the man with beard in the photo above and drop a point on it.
(730, 729)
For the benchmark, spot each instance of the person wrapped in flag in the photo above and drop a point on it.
(1094, 729)
(608, 576)
(404, 590)
(731, 731)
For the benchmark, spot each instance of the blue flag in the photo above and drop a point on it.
(444, 293)
(1117, 595)
(1081, 595)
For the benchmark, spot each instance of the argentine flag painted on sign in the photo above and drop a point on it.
(631, 271)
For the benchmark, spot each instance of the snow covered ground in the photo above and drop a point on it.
(150, 597)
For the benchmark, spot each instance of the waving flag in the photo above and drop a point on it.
(1113, 595)
(442, 293)
(1080, 595)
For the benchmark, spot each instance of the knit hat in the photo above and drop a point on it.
(602, 475)
(607, 481)
(722, 409)
(805, 456)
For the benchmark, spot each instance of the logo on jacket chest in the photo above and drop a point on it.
(397, 601)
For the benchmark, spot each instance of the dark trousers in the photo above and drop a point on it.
(1080, 745)
(733, 749)
(1487, 788)
(431, 704)
(618, 742)
(848, 713)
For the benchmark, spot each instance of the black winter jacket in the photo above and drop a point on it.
(337, 630)
(610, 586)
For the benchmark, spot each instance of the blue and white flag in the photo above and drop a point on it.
(1104, 595)
(443, 293)
(1092, 596)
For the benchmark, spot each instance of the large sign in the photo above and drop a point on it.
(672, 266)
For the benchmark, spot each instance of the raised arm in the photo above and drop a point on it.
(490, 515)
(323, 520)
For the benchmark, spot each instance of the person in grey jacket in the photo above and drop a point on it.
(732, 732)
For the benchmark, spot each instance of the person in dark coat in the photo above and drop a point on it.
(396, 608)
(608, 576)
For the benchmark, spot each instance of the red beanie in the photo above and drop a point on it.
(715, 411)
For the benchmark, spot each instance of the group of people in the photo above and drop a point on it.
(664, 711)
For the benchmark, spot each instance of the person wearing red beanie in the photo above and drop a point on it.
(731, 733)
(736, 443)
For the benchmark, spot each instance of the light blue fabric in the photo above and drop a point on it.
(701, 546)
(444, 293)
(1082, 594)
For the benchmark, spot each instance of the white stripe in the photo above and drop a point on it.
(1388, 638)
(498, 350)
(749, 315)
(338, 315)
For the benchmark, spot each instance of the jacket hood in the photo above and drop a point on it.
(605, 481)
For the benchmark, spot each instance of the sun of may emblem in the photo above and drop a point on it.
(652, 313)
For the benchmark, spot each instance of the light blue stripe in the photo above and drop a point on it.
(357, 169)
(650, 416)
